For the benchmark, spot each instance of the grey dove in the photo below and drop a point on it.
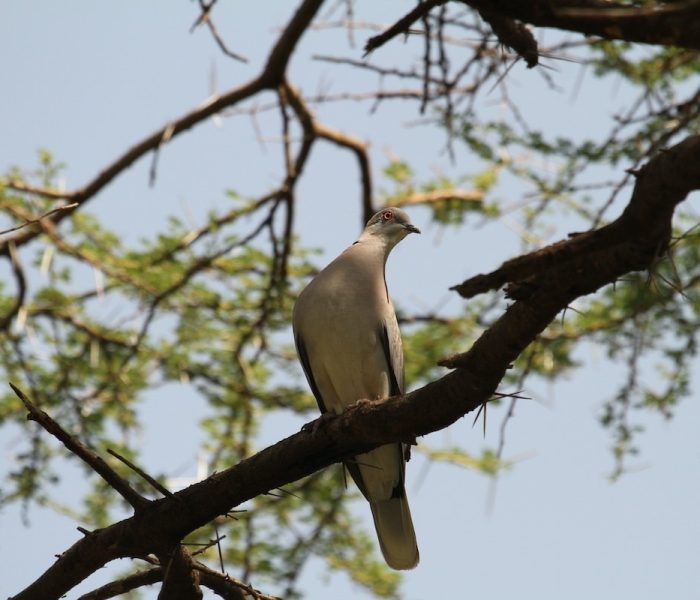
(349, 345)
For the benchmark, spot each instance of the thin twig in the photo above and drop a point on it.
(160, 487)
(38, 219)
(206, 18)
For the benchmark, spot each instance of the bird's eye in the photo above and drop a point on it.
(387, 216)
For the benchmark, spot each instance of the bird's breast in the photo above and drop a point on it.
(346, 356)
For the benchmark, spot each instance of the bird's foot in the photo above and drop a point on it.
(360, 402)
(316, 424)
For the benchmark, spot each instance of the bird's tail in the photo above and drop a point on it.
(397, 539)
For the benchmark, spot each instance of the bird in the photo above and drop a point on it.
(349, 345)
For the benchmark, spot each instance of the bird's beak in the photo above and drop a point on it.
(411, 228)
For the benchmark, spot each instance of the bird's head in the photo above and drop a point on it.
(390, 225)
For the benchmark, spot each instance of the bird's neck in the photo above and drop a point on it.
(379, 246)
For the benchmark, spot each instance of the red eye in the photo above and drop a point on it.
(387, 216)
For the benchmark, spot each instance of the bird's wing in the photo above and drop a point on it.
(390, 336)
(306, 365)
(393, 352)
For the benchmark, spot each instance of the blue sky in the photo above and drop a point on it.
(86, 80)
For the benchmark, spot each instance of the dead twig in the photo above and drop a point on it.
(205, 17)
(38, 219)
(402, 25)
(141, 473)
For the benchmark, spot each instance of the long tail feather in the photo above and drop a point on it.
(397, 539)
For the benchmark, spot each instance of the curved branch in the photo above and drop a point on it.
(661, 185)
(644, 230)
(227, 587)
(208, 108)
(359, 148)
(125, 584)
(21, 280)
(313, 128)
(205, 17)
(222, 585)
(271, 76)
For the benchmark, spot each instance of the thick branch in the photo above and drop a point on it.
(282, 51)
(646, 222)
(180, 578)
(645, 225)
(666, 24)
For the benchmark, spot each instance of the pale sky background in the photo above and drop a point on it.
(86, 80)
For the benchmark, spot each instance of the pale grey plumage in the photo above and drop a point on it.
(349, 344)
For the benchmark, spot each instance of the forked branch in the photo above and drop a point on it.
(641, 233)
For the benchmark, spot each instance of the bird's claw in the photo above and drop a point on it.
(316, 424)
(360, 402)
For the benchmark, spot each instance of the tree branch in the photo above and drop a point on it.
(141, 473)
(205, 17)
(271, 76)
(96, 463)
(672, 23)
(18, 272)
(221, 584)
(36, 220)
(643, 231)
(124, 585)
(472, 196)
(180, 578)
(645, 222)
(666, 24)
(402, 25)
(340, 138)
(227, 587)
